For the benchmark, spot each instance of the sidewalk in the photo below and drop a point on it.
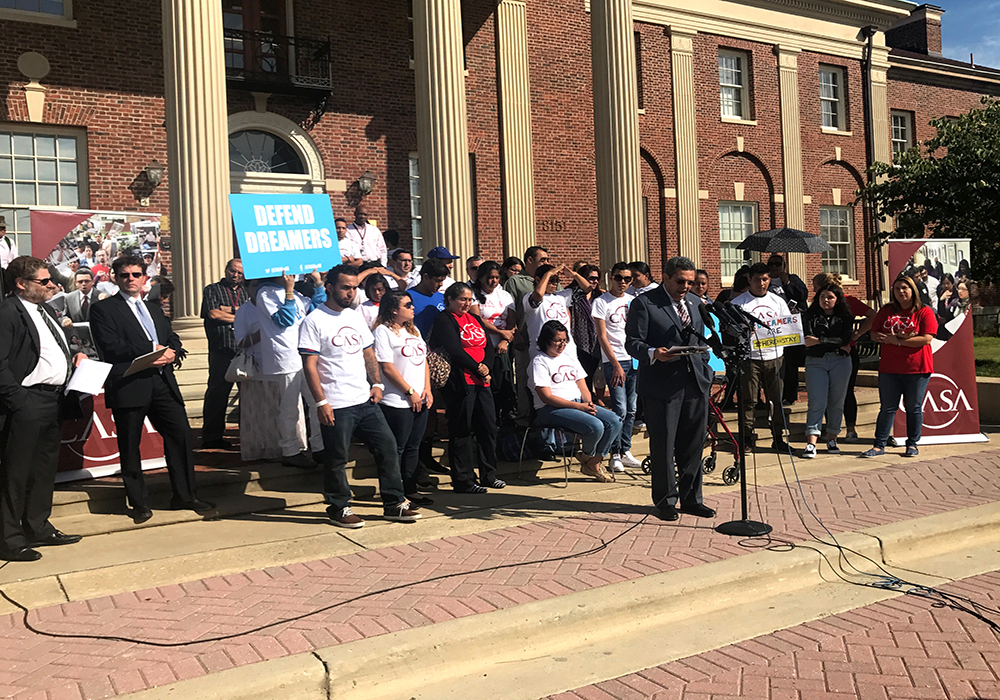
(883, 492)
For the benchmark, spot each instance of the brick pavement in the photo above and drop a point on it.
(35, 667)
(894, 650)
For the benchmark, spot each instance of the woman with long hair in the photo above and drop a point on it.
(407, 399)
(495, 307)
(828, 326)
(563, 400)
(468, 397)
(904, 329)
(586, 288)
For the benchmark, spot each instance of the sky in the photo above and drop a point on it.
(971, 26)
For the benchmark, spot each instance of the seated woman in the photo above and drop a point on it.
(562, 400)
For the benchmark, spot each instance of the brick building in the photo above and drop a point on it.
(608, 129)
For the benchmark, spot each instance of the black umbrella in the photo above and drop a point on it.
(784, 240)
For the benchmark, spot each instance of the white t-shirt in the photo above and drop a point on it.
(497, 307)
(349, 248)
(408, 354)
(279, 345)
(247, 323)
(559, 374)
(554, 307)
(369, 310)
(632, 291)
(768, 309)
(614, 312)
(339, 338)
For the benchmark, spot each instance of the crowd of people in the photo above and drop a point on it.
(379, 352)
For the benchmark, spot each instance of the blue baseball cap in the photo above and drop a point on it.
(441, 253)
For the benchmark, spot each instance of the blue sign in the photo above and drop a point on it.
(284, 233)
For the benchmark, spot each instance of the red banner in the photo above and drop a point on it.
(951, 404)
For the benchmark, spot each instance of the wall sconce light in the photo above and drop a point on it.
(366, 182)
(154, 173)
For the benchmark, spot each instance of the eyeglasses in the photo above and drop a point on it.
(622, 278)
(560, 341)
(43, 282)
(408, 305)
(593, 279)
(136, 275)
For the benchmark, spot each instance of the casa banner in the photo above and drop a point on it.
(280, 234)
(951, 404)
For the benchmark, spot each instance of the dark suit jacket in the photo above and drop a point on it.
(653, 323)
(19, 352)
(120, 339)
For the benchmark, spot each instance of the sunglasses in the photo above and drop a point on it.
(622, 278)
(593, 279)
(43, 282)
(408, 306)
(135, 275)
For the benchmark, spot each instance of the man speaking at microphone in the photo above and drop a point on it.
(674, 387)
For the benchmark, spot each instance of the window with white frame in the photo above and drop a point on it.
(37, 10)
(836, 226)
(734, 91)
(902, 131)
(418, 239)
(831, 98)
(39, 168)
(737, 220)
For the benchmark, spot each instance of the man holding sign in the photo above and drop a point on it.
(763, 369)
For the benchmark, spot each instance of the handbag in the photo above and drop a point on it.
(439, 367)
(241, 367)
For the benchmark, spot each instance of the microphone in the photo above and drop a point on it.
(731, 319)
(713, 339)
(745, 315)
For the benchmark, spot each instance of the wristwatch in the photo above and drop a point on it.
(411, 391)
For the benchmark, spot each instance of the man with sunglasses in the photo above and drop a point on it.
(124, 328)
(35, 364)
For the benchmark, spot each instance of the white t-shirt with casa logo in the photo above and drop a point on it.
(553, 307)
(614, 312)
(768, 308)
(496, 309)
(559, 374)
(408, 354)
(339, 338)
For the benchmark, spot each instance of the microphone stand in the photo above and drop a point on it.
(744, 527)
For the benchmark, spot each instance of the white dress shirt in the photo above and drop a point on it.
(133, 304)
(371, 242)
(52, 366)
(8, 250)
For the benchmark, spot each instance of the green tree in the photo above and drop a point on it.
(949, 186)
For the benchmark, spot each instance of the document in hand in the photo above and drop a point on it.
(88, 377)
(145, 361)
(687, 349)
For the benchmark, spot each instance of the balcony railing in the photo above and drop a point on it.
(273, 63)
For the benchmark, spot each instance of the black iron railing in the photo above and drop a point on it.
(273, 62)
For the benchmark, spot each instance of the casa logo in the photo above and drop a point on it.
(565, 373)
(943, 402)
(767, 315)
(556, 312)
(900, 324)
(618, 316)
(473, 333)
(348, 340)
(414, 350)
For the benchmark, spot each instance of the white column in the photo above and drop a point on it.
(616, 133)
(442, 133)
(517, 170)
(791, 148)
(685, 142)
(197, 148)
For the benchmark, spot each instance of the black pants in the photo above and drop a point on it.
(29, 446)
(168, 417)
(471, 414)
(408, 428)
(590, 364)
(217, 394)
(793, 357)
(851, 401)
(677, 419)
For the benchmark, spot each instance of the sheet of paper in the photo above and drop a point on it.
(145, 361)
(88, 377)
(687, 349)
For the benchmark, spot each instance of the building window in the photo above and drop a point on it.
(902, 131)
(737, 220)
(831, 98)
(39, 170)
(835, 226)
(733, 85)
(38, 10)
(255, 151)
(638, 68)
(418, 239)
(409, 20)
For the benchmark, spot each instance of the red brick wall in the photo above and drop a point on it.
(928, 102)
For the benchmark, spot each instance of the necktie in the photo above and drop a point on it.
(147, 321)
(60, 340)
(85, 307)
(683, 313)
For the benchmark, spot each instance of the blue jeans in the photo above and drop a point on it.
(597, 432)
(622, 401)
(911, 389)
(367, 422)
(827, 379)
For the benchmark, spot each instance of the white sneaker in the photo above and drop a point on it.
(809, 451)
(615, 464)
(629, 460)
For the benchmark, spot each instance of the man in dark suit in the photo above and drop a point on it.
(674, 387)
(35, 364)
(124, 328)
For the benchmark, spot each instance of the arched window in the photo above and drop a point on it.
(255, 151)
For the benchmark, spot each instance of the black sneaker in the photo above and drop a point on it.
(496, 484)
(782, 447)
(401, 512)
(347, 518)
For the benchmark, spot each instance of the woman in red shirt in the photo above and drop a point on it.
(904, 329)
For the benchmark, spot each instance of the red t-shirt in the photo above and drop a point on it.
(898, 359)
(857, 308)
(473, 342)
